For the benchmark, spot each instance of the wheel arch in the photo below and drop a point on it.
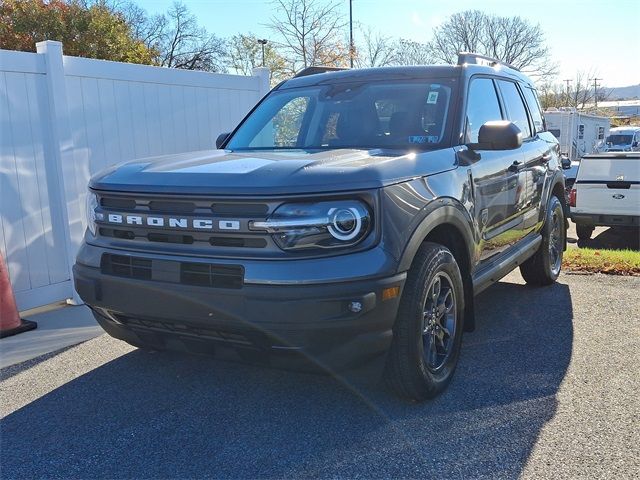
(447, 224)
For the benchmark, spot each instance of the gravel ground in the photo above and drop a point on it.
(547, 387)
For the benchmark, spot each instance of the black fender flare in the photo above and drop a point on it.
(436, 213)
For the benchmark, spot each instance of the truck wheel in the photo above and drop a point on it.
(584, 231)
(428, 329)
(544, 267)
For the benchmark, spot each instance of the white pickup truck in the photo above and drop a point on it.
(606, 192)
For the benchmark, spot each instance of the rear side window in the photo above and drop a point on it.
(534, 108)
(482, 107)
(516, 111)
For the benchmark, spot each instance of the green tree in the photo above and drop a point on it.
(87, 30)
(245, 53)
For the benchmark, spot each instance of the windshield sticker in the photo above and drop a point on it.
(433, 97)
(423, 139)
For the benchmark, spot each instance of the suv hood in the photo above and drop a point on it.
(271, 172)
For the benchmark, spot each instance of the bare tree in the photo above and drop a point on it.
(376, 50)
(182, 43)
(408, 52)
(310, 33)
(510, 39)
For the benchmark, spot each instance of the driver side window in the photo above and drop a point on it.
(482, 107)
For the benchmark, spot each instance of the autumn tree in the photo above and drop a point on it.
(513, 40)
(245, 53)
(310, 33)
(86, 29)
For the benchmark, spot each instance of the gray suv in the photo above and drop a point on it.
(351, 214)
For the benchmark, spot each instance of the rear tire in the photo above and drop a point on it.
(584, 231)
(543, 268)
(428, 329)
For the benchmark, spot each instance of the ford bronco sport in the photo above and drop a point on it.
(350, 214)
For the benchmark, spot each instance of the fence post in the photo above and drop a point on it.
(62, 150)
(263, 75)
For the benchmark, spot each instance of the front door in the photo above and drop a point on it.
(496, 176)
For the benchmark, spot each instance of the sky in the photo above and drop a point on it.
(600, 36)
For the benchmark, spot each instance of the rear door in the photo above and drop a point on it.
(609, 184)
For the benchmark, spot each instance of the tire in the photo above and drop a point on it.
(543, 268)
(422, 357)
(584, 231)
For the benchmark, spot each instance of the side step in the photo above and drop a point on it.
(505, 263)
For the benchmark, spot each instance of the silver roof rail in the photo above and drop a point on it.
(477, 59)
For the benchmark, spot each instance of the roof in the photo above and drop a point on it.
(401, 73)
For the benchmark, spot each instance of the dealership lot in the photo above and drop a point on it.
(547, 387)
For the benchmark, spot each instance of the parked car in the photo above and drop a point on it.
(606, 192)
(623, 139)
(350, 214)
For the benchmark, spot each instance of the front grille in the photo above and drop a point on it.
(174, 223)
(185, 273)
(208, 275)
(125, 266)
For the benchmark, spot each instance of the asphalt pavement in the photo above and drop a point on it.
(547, 387)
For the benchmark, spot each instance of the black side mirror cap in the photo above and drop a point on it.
(222, 138)
(566, 163)
(498, 135)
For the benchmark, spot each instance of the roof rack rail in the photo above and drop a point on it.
(317, 69)
(477, 59)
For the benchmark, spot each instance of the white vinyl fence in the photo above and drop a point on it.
(62, 119)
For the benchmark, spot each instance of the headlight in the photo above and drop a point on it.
(318, 225)
(91, 206)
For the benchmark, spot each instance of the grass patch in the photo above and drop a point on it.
(612, 262)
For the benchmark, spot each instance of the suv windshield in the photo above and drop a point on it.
(619, 139)
(390, 114)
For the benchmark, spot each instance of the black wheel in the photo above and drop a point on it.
(544, 266)
(428, 329)
(584, 231)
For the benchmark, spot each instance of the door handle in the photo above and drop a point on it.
(514, 167)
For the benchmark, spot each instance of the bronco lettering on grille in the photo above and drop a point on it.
(172, 222)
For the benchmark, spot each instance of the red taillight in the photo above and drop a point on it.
(572, 197)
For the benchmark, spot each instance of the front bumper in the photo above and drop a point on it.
(265, 321)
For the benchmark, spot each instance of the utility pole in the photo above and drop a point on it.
(262, 42)
(595, 91)
(568, 81)
(351, 47)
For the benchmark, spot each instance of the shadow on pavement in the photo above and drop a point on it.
(167, 415)
(615, 238)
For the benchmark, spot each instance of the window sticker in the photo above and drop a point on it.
(433, 97)
(422, 139)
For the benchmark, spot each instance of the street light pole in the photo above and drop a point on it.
(351, 48)
(568, 80)
(262, 42)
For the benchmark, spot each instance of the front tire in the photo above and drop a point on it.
(543, 268)
(428, 329)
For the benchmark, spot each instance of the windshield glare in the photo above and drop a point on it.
(619, 139)
(407, 115)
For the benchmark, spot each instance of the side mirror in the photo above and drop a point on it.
(498, 135)
(566, 163)
(221, 139)
(634, 144)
